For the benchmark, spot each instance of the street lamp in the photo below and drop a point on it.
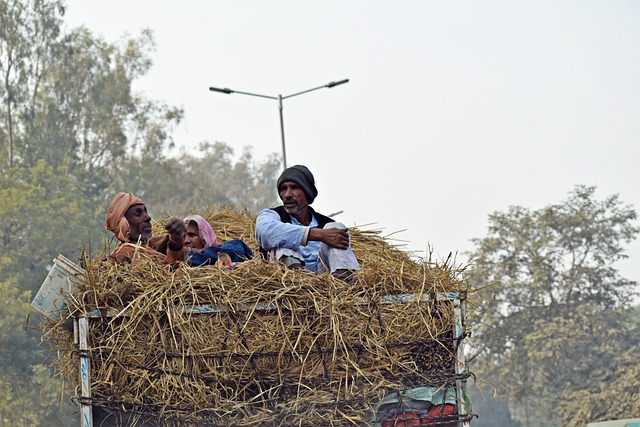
(280, 98)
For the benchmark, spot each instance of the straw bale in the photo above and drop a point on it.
(278, 347)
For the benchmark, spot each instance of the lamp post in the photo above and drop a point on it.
(280, 98)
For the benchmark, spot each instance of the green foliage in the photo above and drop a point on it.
(89, 120)
(617, 398)
(28, 33)
(208, 175)
(34, 400)
(27, 394)
(557, 255)
(549, 324)
(13, 348)
(39, 204)
(73, 134)
(616, 393)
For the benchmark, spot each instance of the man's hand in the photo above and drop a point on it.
(176, 229)
(335, 237)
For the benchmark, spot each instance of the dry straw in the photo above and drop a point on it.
(277, 347)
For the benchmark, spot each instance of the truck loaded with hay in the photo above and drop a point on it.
(260, 344)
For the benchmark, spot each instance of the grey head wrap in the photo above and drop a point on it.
(302, 176)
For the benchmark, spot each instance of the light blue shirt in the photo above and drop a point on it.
(272, 233)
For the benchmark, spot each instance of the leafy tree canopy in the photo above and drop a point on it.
(553, 313)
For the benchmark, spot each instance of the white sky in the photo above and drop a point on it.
(454, 110)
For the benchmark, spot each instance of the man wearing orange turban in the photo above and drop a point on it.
(128, 219)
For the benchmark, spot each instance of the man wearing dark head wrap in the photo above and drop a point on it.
(300, 237)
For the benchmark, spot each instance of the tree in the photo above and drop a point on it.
(39, 204)
(28, 33)
(42, 214)
(553, 282)
(28, 396)
(209, 175)
(88, 118)
(615, 395)
(73, 134)
(67, 117)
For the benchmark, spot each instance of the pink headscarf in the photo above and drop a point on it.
(116, 221)
(205, 230)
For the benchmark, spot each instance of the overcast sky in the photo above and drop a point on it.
(454, 110)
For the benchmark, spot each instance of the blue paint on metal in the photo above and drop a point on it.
(84, 368)
(205, 309)
(458, 330)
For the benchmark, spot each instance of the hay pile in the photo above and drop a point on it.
(277, 347)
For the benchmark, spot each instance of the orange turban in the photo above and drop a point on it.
(116, 221)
